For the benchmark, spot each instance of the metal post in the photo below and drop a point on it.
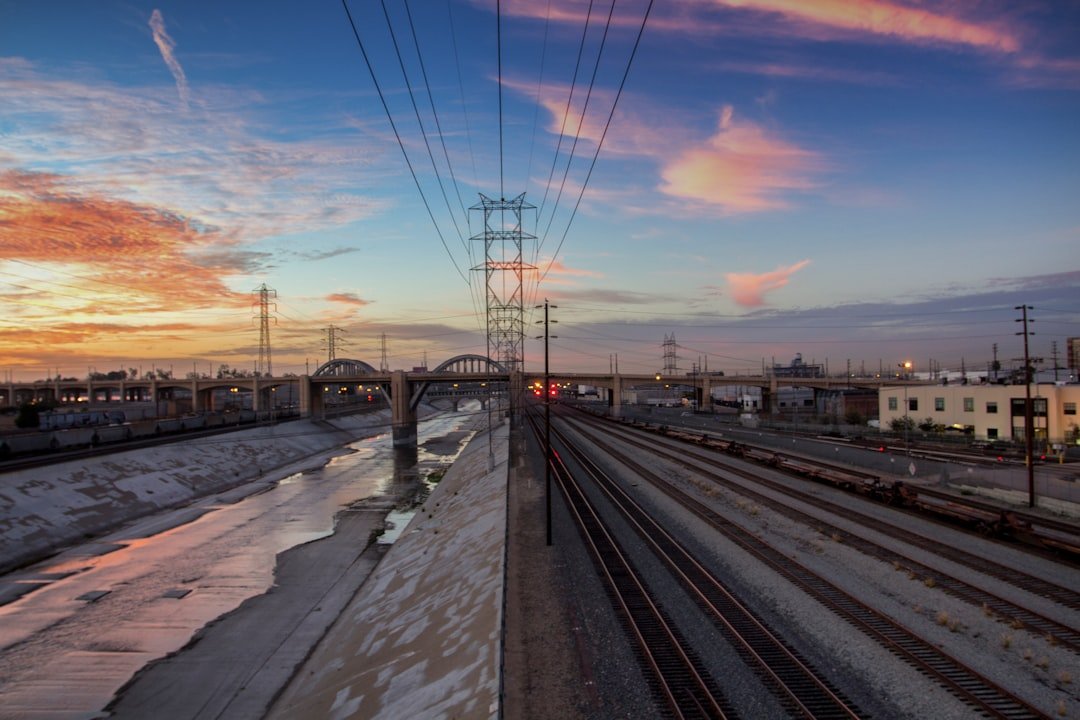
(547, 429)
(1029, 419)
(547, 420)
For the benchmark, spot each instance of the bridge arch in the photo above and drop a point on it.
(469, 363)
(344, 368)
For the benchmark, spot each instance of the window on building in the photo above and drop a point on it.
(913, 404)
(991, 433)
(991, 408)
(1070, 408)
(892, 404)
(939, 404)
(969, 404)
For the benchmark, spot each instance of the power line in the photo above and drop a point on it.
(581, 123)
(566, 114)
(461, 91)
(498, 42)
(390, 118)
(603, 136)
(419, 120)
(438, 125)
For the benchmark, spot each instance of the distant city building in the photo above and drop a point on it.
(1073, 353)
(798, 369)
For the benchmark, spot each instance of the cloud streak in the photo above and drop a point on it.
(749, 289)
(165, 45)
(347, 298)
(886, 19)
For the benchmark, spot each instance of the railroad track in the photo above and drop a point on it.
(675, 674)
(979, 692)
(800, 688)
(1004, 610)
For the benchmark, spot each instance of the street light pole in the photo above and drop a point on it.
(547, 422)
(1029, 419)
(906, 367)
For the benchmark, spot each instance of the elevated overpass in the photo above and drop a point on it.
(459, 376)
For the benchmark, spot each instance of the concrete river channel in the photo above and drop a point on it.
(102, 610)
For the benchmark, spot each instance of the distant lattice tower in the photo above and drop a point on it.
(384, 364)
(266, 306)
(503, 269)
(333, 342)
(671, 359)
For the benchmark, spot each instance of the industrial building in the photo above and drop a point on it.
(991, 412)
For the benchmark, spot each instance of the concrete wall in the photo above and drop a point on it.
(46, 508)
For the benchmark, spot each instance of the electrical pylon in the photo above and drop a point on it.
(384, 364)
(264, 366)
(671, 359)
(503, 269)
(333, 341)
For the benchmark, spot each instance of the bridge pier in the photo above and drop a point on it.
(402, 410)
(615, 397)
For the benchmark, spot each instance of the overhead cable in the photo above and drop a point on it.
(390, 118)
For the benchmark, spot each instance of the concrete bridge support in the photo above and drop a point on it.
(402, 410)
(615, 396)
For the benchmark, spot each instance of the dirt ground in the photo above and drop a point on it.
(546, 669)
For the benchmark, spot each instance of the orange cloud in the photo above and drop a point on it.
(147, 256)
(742, 168)
(748, 289)
(348, 299)
(876, 17)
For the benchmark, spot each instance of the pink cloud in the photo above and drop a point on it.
(876, 17)
(348, 298)
(742, 168)
(748, 289)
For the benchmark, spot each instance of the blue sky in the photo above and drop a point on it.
(864, 180)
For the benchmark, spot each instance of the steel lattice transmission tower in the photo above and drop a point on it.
(503, 268)
(671, 359)
(333, 341)
(266, 305)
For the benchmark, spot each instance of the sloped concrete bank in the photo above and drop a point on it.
(44, 509)
(423, 636)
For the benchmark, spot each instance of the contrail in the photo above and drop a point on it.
(165, 45)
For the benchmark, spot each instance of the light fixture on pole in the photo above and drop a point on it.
(547, 418)
(1029, 417)
(906, 367)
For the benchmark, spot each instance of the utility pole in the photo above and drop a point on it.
(1054, 355)
(1029, 420)
(266, 306)
(548, 456)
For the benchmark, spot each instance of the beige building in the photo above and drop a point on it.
(990, 412)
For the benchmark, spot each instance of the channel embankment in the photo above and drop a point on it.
(423, 636)
(46, 508)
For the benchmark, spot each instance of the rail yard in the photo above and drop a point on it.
(740, 582)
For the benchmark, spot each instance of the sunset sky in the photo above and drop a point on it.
(846, 179)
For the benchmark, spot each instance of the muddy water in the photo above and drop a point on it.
(99, 612)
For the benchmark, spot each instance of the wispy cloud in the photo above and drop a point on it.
(347, 298)
(741, 168)
(888, 19)
(749, 289)
(165, 45)
(216, 167)
(157, 259)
